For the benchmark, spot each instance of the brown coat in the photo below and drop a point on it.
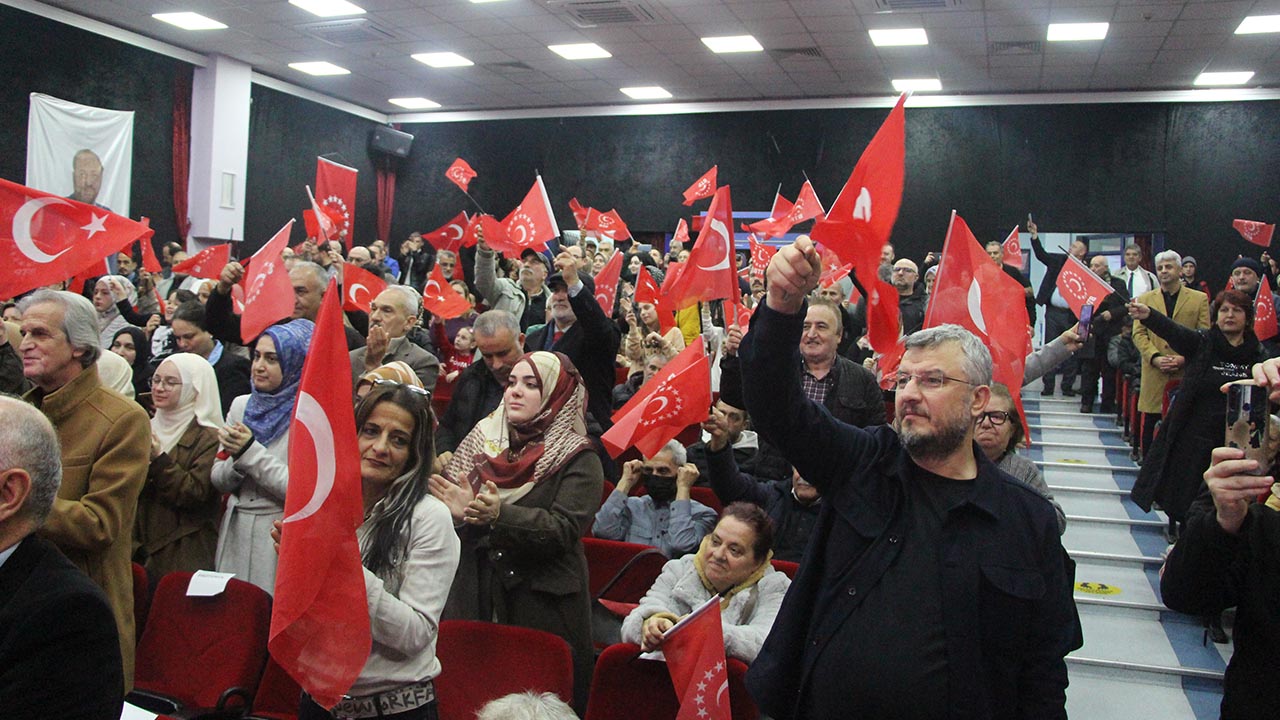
(177, 524)
(1191, 310)
(106, 441)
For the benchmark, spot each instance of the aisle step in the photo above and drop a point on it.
(1115, 557)
(1171, 670)
(1172, 644)
(1127, 582)
(1109, 443)
(1069, 413)
(1130, 522)
(1069, 433)
(1114, 538)
(1101, 690)
(1086, 467)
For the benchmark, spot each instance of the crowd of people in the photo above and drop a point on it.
(482, 470)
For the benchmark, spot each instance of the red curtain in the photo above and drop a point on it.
(181, 149)
(386, 171)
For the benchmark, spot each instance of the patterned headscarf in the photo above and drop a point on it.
(267, 414)
(396, 371)
(517, 457)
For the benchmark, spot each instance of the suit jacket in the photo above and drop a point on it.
(59, 651)
(424, 364)
(1053, 263)
(106, 446)
(1191, 310)
(592, 344)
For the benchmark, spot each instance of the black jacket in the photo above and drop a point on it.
(592, 344)
(857, 399)
(1009, 615)
(232, 372)
(1209, 571)
(1053, 263)
(792, 522)
(59, 651)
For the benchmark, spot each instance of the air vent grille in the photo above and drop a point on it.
(798, 52)
(1015, 47)
(347, 32)
(594, 13)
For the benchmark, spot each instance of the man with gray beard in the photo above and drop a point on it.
(935, 584)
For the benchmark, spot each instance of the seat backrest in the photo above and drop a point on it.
(624, 686)
(621, 571)
(786, 567)
(605, 558)
(277, 694)
(482, 661)
(708, 497)
(194, 648)
(141, 599)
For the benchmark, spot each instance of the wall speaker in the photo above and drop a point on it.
(389, 141)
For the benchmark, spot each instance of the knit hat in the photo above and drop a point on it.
(1188, 259)
(1248, 262)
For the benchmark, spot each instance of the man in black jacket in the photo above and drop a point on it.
(191, 330)
(1107, 319)
(935, 585)
(478, 389)
(59, 651)
(845, 388)
(1057, 314)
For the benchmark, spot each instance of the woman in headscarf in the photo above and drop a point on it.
(178, 509)
(253, 463)
(410, 554)
(396, 371)
(104, 301)
(131, 344)
(525, 484)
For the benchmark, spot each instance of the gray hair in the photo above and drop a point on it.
(319, 274)
(410, 300)
(1169, 255)
(527, 705)
(975, 357)
(678, 454)
(1134, 246)
(79, 320)
(449, 253)
(27, 441)
(489, 323)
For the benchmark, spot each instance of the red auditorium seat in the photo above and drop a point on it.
(786, 567)
(482, 661)
(201, 652)
(621, 571)
(277, 696)
(708, 497)
(625, 686)
(141, 599)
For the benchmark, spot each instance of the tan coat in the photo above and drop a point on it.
(1191, 310)
(106, 441)
(177, 524)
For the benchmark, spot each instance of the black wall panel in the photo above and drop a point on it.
(40, 55)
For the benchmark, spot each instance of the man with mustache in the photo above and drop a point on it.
(934, 585)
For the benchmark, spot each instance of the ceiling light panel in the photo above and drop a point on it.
(649, 92)
(328, 8)
(580, 51)
(189, 21)
(1259, 24)
(898, 37)
(414, 103)
(1073, 32)
(1239, 77)
(442, 59)
(319, 68)
(733, 44)
(917, 85)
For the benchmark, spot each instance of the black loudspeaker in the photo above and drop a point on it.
(389, 141)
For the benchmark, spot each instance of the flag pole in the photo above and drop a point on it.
(475, 202)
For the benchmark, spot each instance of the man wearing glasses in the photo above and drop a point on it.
(935, 585)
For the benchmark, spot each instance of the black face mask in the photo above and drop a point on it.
(661, 489)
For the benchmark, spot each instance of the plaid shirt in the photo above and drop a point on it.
(815, 389)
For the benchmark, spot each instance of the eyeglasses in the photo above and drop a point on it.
(906, 271)
(926, 381)
(166, 383)
(995, 417)
(384, 382)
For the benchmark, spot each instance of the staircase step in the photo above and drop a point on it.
(1129, 522)
(1173, 644)
(1116, 557)
(1075, 467)
(1102, 690)
(1060, 412)
(1114, 538)
(1076, 433)
(1131, 583)
(1108, 443)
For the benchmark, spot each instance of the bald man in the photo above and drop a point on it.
(911, 302)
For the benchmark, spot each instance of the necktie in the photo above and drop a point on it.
(1130, 284)
(555, 338)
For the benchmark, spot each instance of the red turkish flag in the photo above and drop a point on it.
(359, 287)
(743, 319)
(887, 364)
(495, 235)
(833, 271)
(1079, 286)
(682, 232)
(607, 283)
(672, 400)
(710, 273)
(694, 649)
(609, 224)
(1012, 247)
(1258, 233)
(326, 225)
(268, 294)
(776, 224)
(207, 263)
(531, 224)
(647, 291)
(96, 269)
(451, 236)
(320, 616)
(439, 297)
(45, 239)
(761, 254)
(973, 292)
(460, 174)
(150, 262)
(336, 194)
(807, 206)
(579, 212)
(1264, 312)
(703, 187)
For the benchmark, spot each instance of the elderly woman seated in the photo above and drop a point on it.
(733, 561)
(999, 433)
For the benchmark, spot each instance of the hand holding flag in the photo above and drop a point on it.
(206, 264)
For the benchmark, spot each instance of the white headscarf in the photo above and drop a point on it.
(198, 399)
(114, 372)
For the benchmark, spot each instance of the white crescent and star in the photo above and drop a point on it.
(453, 226)
(312, 417)
(22, 228)
(720, 231)
(661, 398)
(975, 306)
(862, 207)
(352, 293)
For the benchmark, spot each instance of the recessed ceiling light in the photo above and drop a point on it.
(482, 2)
(1067, 32)
(917, 85)
(319, 68)
(650, 92)
(733, 44)
(1259, 24)
(1224, 78)
(189, 21)
(442, 59)
(414, 103)
(328, 8)
(579, 51)
(900, 36)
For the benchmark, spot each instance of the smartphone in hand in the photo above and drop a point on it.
(1247, 420)
(1086, 319)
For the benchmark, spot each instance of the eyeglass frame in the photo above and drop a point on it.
(166, 383)
(990, 415)
(388, 382)
(902, 379)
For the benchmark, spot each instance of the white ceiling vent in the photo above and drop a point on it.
(1014, 47)
(352, 31)
(594, 13)
(915, 5)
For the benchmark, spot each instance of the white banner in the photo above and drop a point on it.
(81, 152)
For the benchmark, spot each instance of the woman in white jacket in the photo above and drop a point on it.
(253, 461)
(733, 561)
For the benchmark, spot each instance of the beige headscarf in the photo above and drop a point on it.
(198, 399)
(396, 370)
(115, 372)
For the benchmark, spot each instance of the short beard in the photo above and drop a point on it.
(947, 440)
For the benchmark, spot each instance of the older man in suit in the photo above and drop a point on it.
(59, 650)
(1160, 364)
(391, 315)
